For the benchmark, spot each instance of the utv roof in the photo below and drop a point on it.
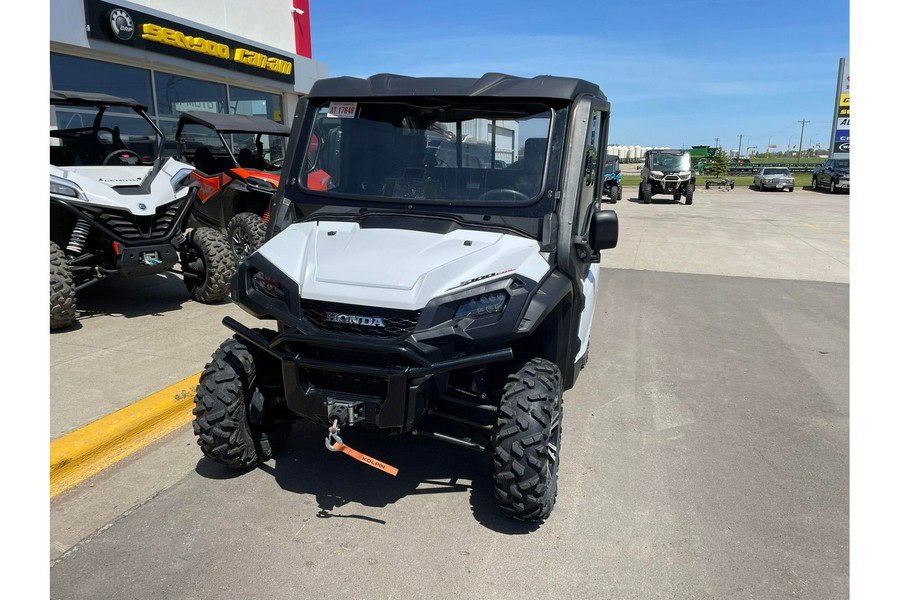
(235, 123)
(92, 99)
(487, 86)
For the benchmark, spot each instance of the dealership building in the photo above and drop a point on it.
(173, 56)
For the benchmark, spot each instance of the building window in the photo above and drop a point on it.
(243, 101)
(176, 94)
(70, 73)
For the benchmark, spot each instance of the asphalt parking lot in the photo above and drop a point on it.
(705, 449)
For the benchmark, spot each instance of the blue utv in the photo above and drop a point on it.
(612, 179)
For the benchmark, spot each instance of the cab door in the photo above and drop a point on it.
(589, 199)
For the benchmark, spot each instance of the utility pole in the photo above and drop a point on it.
(740, 139)
(717, 143)
(800, 148)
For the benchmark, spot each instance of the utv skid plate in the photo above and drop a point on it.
(404, 401)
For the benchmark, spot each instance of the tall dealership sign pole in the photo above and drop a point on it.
(840, 127)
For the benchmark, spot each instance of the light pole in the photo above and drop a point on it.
(800, 147)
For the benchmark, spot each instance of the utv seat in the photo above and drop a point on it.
(248, 160)
(204, 161)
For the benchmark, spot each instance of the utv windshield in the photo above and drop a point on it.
(88, 135)
(433, 151)
(671, 162)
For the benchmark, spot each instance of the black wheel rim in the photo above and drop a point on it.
(193, 268)
(553, 439)
(240, 243)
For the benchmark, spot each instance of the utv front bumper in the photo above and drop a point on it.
(136, 261)
(386, 386)
(672, 183)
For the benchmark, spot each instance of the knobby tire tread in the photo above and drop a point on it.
(524, 478)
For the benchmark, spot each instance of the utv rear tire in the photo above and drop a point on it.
(62, 290)
(207, 265)
(689, 195)
(227, 421)
(615, 193)
(526, 441)
(246, 232)
(648, 193)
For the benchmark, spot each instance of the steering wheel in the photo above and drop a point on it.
(275, 165)
(122, 152)
(503, 193)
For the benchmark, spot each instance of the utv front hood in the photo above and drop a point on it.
(396, 268)
(119, 187)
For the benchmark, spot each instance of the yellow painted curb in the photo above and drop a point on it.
(78, 455)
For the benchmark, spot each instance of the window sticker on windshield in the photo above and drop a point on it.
(342, 110)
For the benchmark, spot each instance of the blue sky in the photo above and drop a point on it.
(677, 73)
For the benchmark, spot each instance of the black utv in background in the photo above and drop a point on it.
(442, 284)
(667, 172)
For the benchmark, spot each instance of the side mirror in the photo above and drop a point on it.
(604, 232)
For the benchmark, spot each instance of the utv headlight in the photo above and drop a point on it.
(261, 184)
(59, 188)
(267, 285)
(63, 190)
(480, 306)
(180, 179)
(657, 174)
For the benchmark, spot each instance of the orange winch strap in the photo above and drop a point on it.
(339, 447)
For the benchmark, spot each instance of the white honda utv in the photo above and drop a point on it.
(431, 268)
(118, 208)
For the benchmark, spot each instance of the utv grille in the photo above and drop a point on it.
(134, 228)
(351, 382)
(364, 321)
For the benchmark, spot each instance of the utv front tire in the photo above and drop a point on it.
(648, 193)
(62, 290)
(246, 232)
(207, 265)
(689, 195)
(526, 441)
(230, 409)
(615, 193)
